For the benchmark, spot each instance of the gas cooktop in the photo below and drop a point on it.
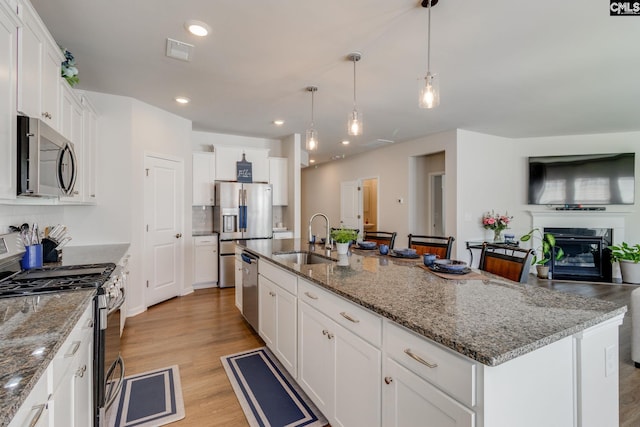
(55, 279)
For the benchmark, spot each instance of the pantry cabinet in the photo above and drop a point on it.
(8, 40)
(204, 176)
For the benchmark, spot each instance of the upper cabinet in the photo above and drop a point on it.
(8, 42)
(227, 156)
(39, 60)
(204, 166)
(278, 178)
(89, 149)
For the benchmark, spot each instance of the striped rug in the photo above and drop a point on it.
(267, 394)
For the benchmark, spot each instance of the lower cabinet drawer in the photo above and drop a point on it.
(450, 372)
(284, 279)
(347, 314)
(72, 346)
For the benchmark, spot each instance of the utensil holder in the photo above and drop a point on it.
(32, 257)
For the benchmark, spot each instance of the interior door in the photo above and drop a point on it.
(164, 221)
(351, 204)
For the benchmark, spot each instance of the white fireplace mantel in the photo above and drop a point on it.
(582, 219)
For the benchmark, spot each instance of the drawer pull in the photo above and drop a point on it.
(36, 417)
(90, 324)
(310, 295)
(388, 380)
(346, 316)
(273, 294)
(325, 332)
(74, 349)
(419, 359)
(330, 335)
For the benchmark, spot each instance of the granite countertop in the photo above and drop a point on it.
(491, 320)
(32, 328)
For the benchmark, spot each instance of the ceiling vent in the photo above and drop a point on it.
(179, 50)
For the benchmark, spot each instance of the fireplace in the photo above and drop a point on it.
(586, 254)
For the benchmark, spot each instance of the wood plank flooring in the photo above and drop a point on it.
(195, 330)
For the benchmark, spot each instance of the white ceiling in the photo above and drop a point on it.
(508, 68)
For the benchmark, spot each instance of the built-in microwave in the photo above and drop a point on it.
(47, 164)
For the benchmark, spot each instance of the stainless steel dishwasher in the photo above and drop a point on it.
(250, 289)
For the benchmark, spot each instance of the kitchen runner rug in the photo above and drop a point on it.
(150, 399)
(267, 393)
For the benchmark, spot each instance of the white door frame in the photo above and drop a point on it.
(432, 184)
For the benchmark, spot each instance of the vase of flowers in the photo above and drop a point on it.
(496, 223)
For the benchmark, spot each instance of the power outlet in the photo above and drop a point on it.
(610, 361)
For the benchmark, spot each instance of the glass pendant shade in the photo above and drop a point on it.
(312, 140)
(430, 93)
(354, 125)
(312, 135)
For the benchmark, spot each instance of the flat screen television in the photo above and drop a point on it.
(586, 179)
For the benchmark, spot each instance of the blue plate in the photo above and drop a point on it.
(450, 264)
(405, 252)
(367, 245)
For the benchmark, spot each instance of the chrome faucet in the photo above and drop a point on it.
(327, 241)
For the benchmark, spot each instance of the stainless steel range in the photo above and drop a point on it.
(108, 369)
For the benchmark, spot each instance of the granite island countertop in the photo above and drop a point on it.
(491, 320)
(32, 328)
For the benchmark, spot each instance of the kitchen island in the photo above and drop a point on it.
(522, 347)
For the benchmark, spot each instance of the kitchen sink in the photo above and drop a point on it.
(302, 258)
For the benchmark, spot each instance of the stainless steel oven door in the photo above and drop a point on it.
(114, 369)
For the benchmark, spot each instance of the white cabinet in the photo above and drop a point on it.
(72, 128)
(89, 148)
(204, 175)
(422, 381)
(278, 314)
(8, 41)
(338, 370)
(39, 60)
(410, 400)
(34, 411)
(278, 178)
(72, 376)
(227, 156)
(63, 396)
(205, 261)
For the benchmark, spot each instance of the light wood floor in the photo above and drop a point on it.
(195, 330)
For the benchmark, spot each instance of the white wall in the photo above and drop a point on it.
(391, 164)
(493, 175)
(127, 130)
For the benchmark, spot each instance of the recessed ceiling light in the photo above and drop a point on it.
(278, 122)
(312, 161)
(345, 142)
(182, 100)
(197, 28)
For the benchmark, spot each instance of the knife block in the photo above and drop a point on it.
(49, 252)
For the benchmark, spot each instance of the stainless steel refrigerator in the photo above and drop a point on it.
(241, 211)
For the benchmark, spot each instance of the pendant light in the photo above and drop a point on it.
(430, 93)
(312, 134)
(354, 125)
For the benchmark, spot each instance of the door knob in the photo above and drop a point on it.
(179, 235)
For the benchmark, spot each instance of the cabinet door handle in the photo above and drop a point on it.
(346, 316)
(330, 335)
(273, 294)
(74, 349)
(36, 417)
(419, 359)
(325, 332)
(388, 380)
(310, 295)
